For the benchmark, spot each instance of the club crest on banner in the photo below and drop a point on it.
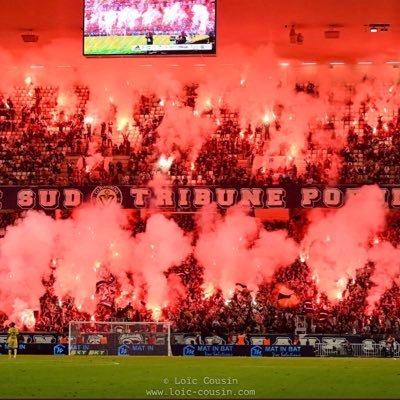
(106, 195)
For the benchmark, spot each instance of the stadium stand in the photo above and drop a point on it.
(40, 143)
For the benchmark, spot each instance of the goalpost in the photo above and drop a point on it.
(119, 338)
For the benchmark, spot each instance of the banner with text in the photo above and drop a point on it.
(183, 198)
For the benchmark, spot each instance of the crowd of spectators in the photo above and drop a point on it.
(373, 156)
(41, 144)
(290, 298)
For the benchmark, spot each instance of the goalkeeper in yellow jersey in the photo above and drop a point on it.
(12, 340)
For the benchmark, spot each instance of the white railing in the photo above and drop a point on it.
(355, 350)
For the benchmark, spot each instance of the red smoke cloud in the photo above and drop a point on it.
(236, 249)
(337, 242)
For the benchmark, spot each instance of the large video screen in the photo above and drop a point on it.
(149, 27)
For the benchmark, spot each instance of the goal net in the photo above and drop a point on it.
(119, 338)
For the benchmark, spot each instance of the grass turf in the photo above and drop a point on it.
(108, 45)
(142, 377)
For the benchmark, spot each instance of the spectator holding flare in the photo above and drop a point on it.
(241, 339)
(12, 339)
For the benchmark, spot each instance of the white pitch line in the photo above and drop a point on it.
(64, 364)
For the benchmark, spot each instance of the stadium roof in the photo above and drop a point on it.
(248, 23)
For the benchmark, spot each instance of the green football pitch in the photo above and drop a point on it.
(200, 377)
